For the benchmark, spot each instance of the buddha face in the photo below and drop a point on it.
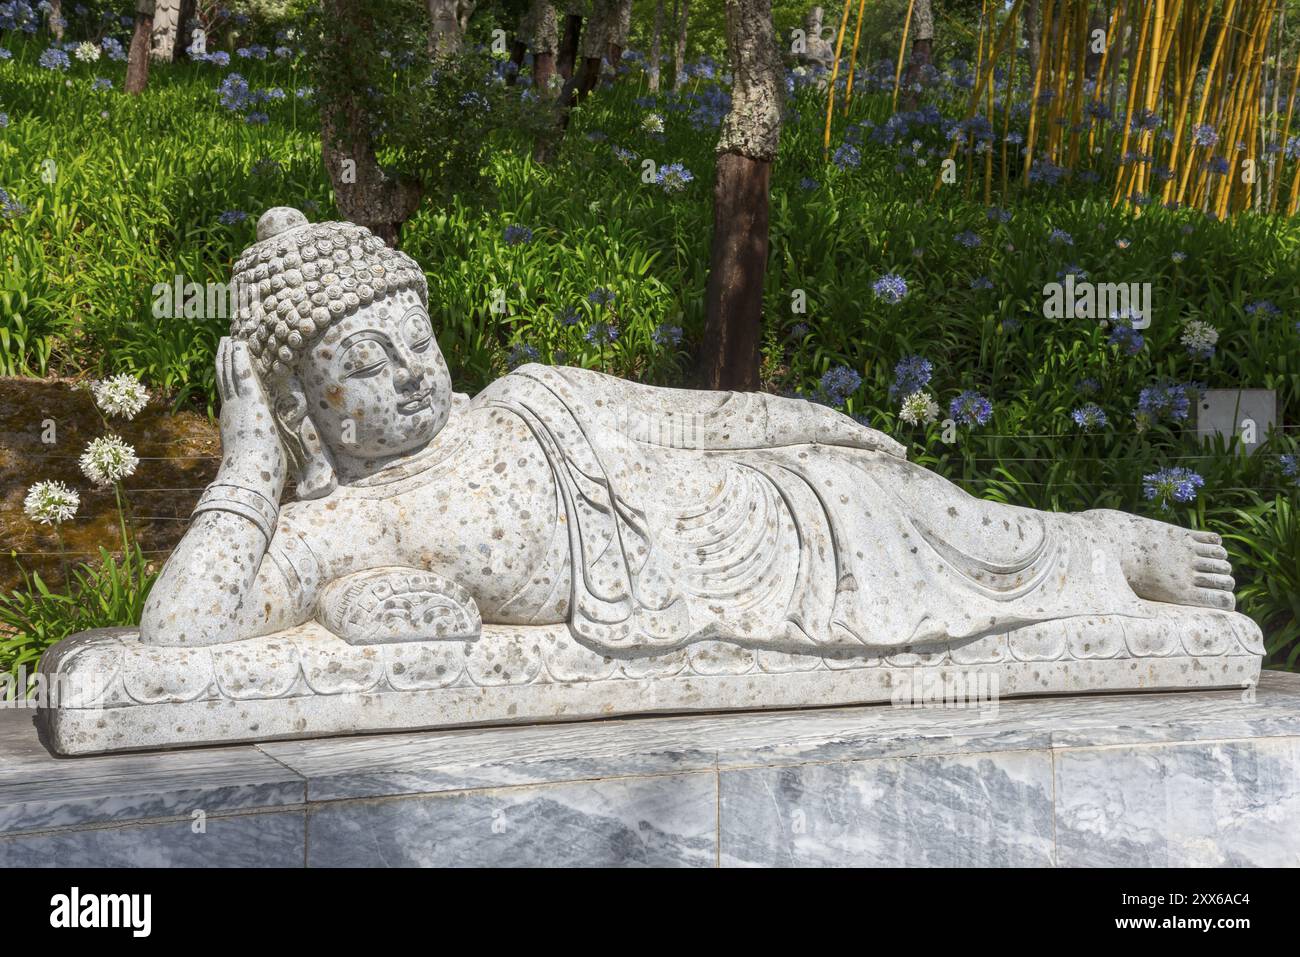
(376, 383)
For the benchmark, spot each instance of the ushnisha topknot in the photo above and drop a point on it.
(299, 278)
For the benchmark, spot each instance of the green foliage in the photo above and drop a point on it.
(105, 594)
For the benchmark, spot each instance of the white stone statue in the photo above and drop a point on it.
(569, 544)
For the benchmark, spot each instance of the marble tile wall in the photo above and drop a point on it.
(1190, 779)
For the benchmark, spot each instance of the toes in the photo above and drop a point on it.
(1212, 551)
(1213, 566)
(1223, 582)
(1208, 538)
(1214, 598)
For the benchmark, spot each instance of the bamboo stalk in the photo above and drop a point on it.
(835, 75)
(902, 45)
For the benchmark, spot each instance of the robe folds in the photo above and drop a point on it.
(781, 524)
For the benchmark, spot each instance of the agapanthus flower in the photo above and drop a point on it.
(1176, 484)
(10, 208)
(520, 354)
(846, 156)
(600, 332)
(652, 123)
(1199, 338)
(981, 282)
(1204, 135)
(113, 49)
(971, 408)
(232, 216)
(808, 183)
(1290, 467)
(968, 239)
(666, 335)
(674, 177)
(101, 83)
(87, 52)
(108, 459)
(911, 374)
(1123, 334)
(919, 408)
(1162, 400)
(600, 296)
(1061, 238)
(50, 503)
(1089, 417)
(838, 383)
(54, 59)
(891, 287)
(120, 395)
(568, 316)
(1178, 256)
(516, 235)
(1262, 307)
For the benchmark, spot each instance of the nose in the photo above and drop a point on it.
(402, 376)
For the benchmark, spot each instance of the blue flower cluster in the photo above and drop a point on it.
(890, 287)
(1176, 484)
(837, 384)
(971, 408)
(911, 374)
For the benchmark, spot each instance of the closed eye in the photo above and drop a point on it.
(422, 344)
(365, 371)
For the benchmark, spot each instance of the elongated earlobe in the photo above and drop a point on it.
(316, 474)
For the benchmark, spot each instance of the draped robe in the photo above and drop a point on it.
(778, 523)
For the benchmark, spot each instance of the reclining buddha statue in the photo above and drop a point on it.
(568, 544)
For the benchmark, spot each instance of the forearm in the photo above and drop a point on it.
(197, 598)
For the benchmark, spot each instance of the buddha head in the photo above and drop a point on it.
(338, 326)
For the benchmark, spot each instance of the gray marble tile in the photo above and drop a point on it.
(992, 809)
(662, 821)
(429, 762)
(38, 791)
(1214, 804)
(271, 839)
(338, 768)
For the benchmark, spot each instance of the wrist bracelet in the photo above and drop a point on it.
(254, 506)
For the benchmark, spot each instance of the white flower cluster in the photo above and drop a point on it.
(50, 503)
(108, 459)
(87, 52)
(918, 408)
(653, 123)
(122, 395)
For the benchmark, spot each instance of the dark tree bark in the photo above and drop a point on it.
(569, 44)
(365, 193)
(596, 40)
(730, 354)
(137, 59)
(518, 50)
(619, 28)
(184, 36)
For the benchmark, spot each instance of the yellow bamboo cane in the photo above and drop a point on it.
(835, 75)
(902, 45)
(853, 58)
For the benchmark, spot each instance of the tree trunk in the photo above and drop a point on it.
(596, 40)
(569, 44)
(187, 13)
(730, 356)
(364, 192)
(57, 23)
(542, 38)
(137, 59)
(620, 27)
(922, 47)
(518, 51)
(447, 22)
(655, 46)
(166, 26)
(679, 47)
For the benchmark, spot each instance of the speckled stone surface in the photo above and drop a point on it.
(1151, 779)
(568, 544)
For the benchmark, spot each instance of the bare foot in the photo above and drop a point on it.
(1164, 562)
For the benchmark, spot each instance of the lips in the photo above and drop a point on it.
(416, 402)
